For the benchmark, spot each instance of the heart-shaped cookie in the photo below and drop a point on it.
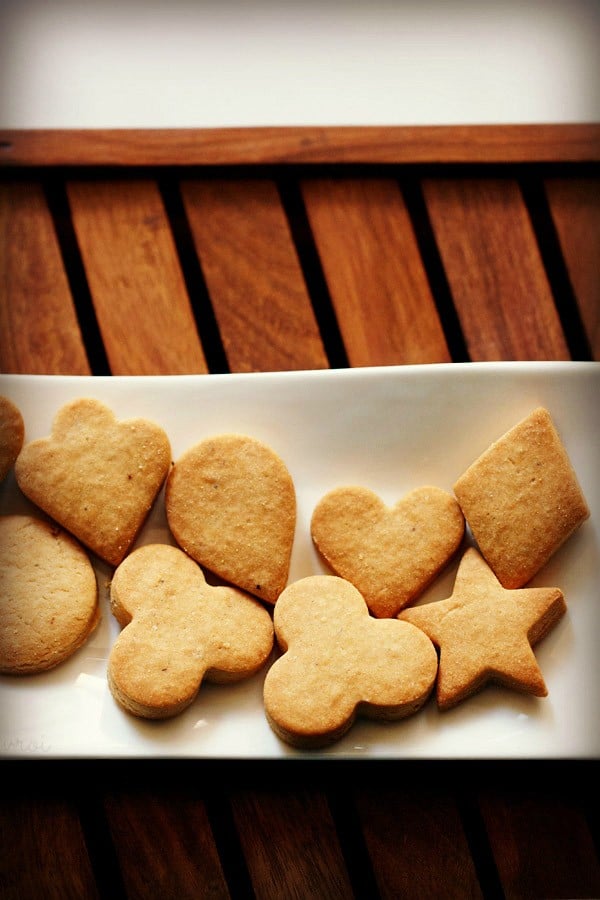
(390, 554)
(339, 662)
(96, 476)
(231, 505)
(179, 630)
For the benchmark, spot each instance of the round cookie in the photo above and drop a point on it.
(48, 595)
(12, 433)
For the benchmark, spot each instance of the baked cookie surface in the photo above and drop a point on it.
(522, 499)
(177, 631)
(390, 554)
(231, 505)
(95, 475)
(48, 595)
(12, 431)
(339, 662)
(485, 632)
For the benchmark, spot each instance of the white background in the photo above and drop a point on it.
(122, 63)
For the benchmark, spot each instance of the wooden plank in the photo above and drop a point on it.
(253, 275)
(417, 844)
(576, 142)
(165, 846)
(134, 277)
(39, 331)
(575, 208)
(43, 851)
(542, 845)
(374, 272)
(494, 269)
(290, 844)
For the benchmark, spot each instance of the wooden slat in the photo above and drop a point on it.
(336, 144)
(290, 845)
(134, 277)
(542, 845)
(575, 207)
(374, 272)
(43, 852)
(417, 844)
(253, 276)
(165, 846)
(494, 269)
(39, 331)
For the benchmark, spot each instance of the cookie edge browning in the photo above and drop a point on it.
(93, 621)
(11, 419)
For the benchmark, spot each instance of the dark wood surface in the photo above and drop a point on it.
(180, 262)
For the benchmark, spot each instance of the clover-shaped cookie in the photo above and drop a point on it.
(96, 476)
(390, 554)
(179, 630)
(231, 505)
(485, 632)
(339, 661)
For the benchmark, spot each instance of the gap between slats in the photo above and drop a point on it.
(58, 204)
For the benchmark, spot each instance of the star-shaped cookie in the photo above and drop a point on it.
(485, 632)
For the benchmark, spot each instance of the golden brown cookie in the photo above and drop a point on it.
(485, 632)
(48, 595)
(231, 505)
(521, 499)
(12, 432)
(178, 630)
(390, 554)
(340, 662)
(97, 476)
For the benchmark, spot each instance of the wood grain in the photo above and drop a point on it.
(39, 331)
(417, 844)
(346, 144)
(165, 846)
(253, 275)
(542, 845)
(494, 269)
(43, 852)
(374, 272)
(290, 845)
(575, 208)
(134, 277)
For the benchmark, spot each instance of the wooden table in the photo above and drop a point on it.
(133, 252)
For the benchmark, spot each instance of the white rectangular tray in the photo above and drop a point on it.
(390, 429)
